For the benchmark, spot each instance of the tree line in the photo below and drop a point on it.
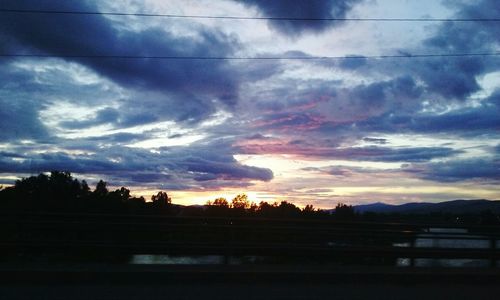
(60, 192)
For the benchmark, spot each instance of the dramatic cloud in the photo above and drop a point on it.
(325, 149)
(303, 9)
(459, 170)
(200, 81)
(321, 130)
(22, 121)
(483, 117)
(457, 78)
(19, 113)
(180, 165)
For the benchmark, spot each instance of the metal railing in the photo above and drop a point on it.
(292, 239)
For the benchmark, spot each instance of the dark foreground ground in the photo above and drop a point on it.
(257, 291)
(245, 282)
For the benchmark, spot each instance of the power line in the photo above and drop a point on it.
(408, 56)
(61, 12)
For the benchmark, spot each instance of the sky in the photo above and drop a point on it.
(308, 131)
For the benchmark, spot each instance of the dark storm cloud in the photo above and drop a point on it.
(45, 82)
(372, 95)
(482, 119)
(20, 120)
(308, 118)
(452, 78)
(57, 161)
(213, 159)
(392, 93)
(458, 170)
(19, 117)
(27, 88)
(395, 105)
(183, 165)
(477, 119)
(312, 9)
(95, 35)
(455, 78)
(320, 104)
(226, 170)
(147, 177)
(470, 36)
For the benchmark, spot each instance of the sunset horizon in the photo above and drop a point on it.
(202, 198)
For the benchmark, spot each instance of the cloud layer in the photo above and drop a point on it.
(302, 9)
(271, 126)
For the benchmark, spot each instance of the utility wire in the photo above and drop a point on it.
(408, 56)
(61, 12)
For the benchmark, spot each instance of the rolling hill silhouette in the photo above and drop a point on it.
(454, 206)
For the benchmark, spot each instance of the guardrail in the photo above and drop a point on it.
(289, 239)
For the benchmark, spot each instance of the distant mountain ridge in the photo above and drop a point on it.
(453, 206)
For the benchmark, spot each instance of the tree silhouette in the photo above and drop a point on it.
(161, 200)
(219, 207)
(267, 210)
(344, 212)
(122, 194)
(221, 202)
(136, 205)
(57, 191)
(309, 208)
(253, 208)
(60, 192)
(287, 209)
(240, 202)
(101, 190)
